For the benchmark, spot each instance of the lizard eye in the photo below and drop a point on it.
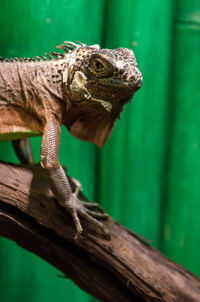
(100, 67)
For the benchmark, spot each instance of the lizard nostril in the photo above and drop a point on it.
(139, 83)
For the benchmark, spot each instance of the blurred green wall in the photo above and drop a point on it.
(148, 174)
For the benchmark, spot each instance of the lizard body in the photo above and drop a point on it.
(85, 89)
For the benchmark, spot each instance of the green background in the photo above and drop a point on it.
(147, 176)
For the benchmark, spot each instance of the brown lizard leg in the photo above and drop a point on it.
(58, 180)
(23, 150)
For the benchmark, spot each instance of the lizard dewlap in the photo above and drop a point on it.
(84, 88)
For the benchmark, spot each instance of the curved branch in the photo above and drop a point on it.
(123, 269)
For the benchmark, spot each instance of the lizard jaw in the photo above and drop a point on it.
(80, 93)
(105, 104)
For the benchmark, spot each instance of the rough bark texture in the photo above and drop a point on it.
(123, 269)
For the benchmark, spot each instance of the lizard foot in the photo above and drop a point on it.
(88, 211)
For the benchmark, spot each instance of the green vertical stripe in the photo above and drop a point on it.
(181, 226)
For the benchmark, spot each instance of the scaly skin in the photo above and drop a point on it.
(85, 89)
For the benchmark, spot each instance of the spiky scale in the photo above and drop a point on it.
(71, 43)
(63, 48)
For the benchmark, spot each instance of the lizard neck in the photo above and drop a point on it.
(23, 75)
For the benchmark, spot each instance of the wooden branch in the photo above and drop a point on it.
(123, 269)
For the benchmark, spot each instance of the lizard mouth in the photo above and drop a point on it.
(120, 84)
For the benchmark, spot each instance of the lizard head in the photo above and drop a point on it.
(99, 83)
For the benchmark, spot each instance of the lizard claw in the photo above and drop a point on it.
(78, 225)
(85, 209)
(91, 205)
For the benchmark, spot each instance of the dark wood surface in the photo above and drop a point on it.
(123, 269)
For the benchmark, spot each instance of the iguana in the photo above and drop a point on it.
(84, 88)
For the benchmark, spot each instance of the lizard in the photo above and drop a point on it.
(84, 88)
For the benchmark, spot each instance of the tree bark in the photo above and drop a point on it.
(124, 269)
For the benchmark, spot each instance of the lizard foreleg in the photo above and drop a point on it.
(59, 183)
